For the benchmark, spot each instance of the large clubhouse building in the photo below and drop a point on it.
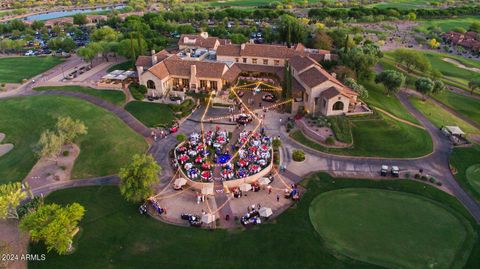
(206, 63)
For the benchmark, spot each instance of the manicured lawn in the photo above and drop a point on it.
(389, 103)
(461, 103)
(151, 114)
(467, 159)
(452, 74)
(112, 96)
(403, 4)
(14, 69)
(127, 65)
(391, 229)
(440, 117)
(114, 235)
(108, 145)
(448, 24)
(379, 138)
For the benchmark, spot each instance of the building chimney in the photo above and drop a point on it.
(193, 71)
(140, 70)
(242, 47)
(204, 34)
(154, 59)
(334, 75)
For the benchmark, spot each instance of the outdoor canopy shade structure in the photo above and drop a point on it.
(208, 218)
(180, 182)
(264, 181)
(265, 212)
(245, 187)
(454, 130)
(207, 190)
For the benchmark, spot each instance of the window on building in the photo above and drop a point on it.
(276, 62)
(237, 60)
(213, 85)
(324, 103)
(176, 82)
(338, 105)
(254, 61)
(306, 97)
(244, 60)
(151, 84)
(203, 84)
(265, 61)
(185, 82)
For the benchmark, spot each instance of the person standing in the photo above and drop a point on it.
(278, 197)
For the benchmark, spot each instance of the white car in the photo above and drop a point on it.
(29, 53)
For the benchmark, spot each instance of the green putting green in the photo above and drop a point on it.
(473, 176)
(108, 145)
(391, 229)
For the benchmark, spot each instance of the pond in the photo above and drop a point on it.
(66, 13)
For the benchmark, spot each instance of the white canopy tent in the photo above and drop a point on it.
(208, 218)
(265, 212)
(264, 181)
(245, 187)
(179, 182)
(454, 130)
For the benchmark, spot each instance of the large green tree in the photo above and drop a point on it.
(70, 129)
(361, 59)
(137, 178)
(11, 194)
(53, 224)
(49, 144)
(424, 85)
(392, 80)
(412, 60)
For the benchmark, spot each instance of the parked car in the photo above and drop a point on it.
(30, 53)
(395, 171)
(384, 170)
(268, 97)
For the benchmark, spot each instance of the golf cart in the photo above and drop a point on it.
(384, 170)
(395, 171)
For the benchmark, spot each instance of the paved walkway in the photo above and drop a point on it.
(100, 181)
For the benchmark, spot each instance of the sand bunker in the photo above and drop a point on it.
(4, 148)
(460, 65)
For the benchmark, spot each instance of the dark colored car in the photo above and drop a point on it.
(269, 97)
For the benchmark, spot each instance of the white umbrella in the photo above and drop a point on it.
(264, 181)
(208, 218)
(245, 187)
(265, 212)
(180, 182)
(207, 190)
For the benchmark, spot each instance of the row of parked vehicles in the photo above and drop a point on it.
(394, 171)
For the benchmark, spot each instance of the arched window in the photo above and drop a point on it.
(151, 84)
(338, 106)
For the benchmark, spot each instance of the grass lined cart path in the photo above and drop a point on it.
(105, 148)
(114, 235)
(113, 96)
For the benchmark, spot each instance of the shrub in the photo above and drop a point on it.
(181, 137)
(407, 175)
(342, 128)
(298, 155)
(65, 153)
(138, 91)
(424, 178)
(432, 179)
(417, 176)
(330, 140)
(439, 183)
(276, 143)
